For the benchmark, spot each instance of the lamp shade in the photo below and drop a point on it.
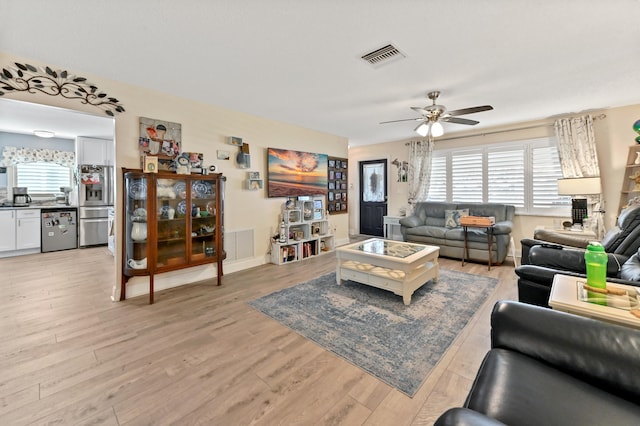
(427, 127)
(437, 129)
(422, 129)
(579, 186)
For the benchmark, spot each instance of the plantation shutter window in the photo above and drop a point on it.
(467, 176)
(42, 178)
(523, 173)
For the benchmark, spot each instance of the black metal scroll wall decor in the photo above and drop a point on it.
(27, 78)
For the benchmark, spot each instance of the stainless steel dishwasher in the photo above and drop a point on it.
(59, 229)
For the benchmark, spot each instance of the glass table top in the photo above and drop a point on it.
(388, 248)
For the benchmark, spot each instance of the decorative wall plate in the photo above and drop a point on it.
(181, 208)
(201, 189)
(138, 190)
(181, 189)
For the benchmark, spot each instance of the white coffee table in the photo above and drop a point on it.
(567, 291)
(396, 266)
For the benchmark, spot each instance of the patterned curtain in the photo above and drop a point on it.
(12, 156)
(578, 158)
(419, 175)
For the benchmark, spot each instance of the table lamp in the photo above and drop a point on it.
(577, 187)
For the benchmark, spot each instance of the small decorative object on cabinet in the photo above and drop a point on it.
(171, 222)
(337, 186)
(306, 231)
(631, 184)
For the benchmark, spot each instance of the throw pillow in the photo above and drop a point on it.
(452, 217)
(630, 270)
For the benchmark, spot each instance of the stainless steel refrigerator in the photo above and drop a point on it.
(95, 198)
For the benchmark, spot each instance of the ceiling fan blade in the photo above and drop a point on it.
(471, 110)
(406, 119)
(460, 120)
(421, 110)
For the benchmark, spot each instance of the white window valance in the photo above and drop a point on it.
(12, 156)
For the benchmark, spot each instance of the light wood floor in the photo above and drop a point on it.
(199, 355)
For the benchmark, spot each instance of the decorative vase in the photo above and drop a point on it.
(636, 128)
(139, 231)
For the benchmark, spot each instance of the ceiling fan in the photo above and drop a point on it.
(433, 114)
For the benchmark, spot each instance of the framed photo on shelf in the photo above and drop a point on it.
(254, 175)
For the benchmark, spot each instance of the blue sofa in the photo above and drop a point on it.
(427, 226)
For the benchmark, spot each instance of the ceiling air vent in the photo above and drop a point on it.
(383, 56)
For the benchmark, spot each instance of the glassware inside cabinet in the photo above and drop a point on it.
(203, 219)
(136, 231)
(172, 205)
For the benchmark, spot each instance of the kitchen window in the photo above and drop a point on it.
(42, 178)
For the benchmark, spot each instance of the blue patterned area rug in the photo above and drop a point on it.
(373, 329)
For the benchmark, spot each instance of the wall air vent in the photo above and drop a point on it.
(383, 56)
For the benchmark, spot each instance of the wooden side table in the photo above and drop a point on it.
(465, 250)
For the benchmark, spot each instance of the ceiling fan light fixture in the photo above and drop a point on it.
(422, 129)
(437, 129)
(43, 133)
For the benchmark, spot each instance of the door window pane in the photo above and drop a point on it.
(373, 182)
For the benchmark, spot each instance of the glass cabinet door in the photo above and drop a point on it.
(136, 210)
(172, 213)
(203, 219)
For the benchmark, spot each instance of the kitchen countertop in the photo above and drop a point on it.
(37, 206)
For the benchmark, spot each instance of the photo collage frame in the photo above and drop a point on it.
(337, 184)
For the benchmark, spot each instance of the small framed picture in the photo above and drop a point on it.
(331, 175)
(233, 140)
(343, 186)
(344, 164)
(332, 163)
(338, 175)
(254, 184)
(254, 175)
(332, 185)
(330, 196)
(223, 155)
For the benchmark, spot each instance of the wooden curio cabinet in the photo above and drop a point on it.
(171, 222)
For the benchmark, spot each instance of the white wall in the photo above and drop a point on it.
(205, 129)
(614, 134)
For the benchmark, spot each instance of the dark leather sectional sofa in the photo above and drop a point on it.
(552, 368)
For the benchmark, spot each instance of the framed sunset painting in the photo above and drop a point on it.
(294, 173)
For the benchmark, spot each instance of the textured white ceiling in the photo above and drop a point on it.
(298, 61)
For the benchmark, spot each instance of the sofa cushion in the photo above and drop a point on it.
(452, 217)
(516, 389)
(428, 231)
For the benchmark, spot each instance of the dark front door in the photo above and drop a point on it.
(373, 196)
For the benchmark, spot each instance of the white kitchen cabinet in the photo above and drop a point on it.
(27, 233)
(99, 152)
(8, 230)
